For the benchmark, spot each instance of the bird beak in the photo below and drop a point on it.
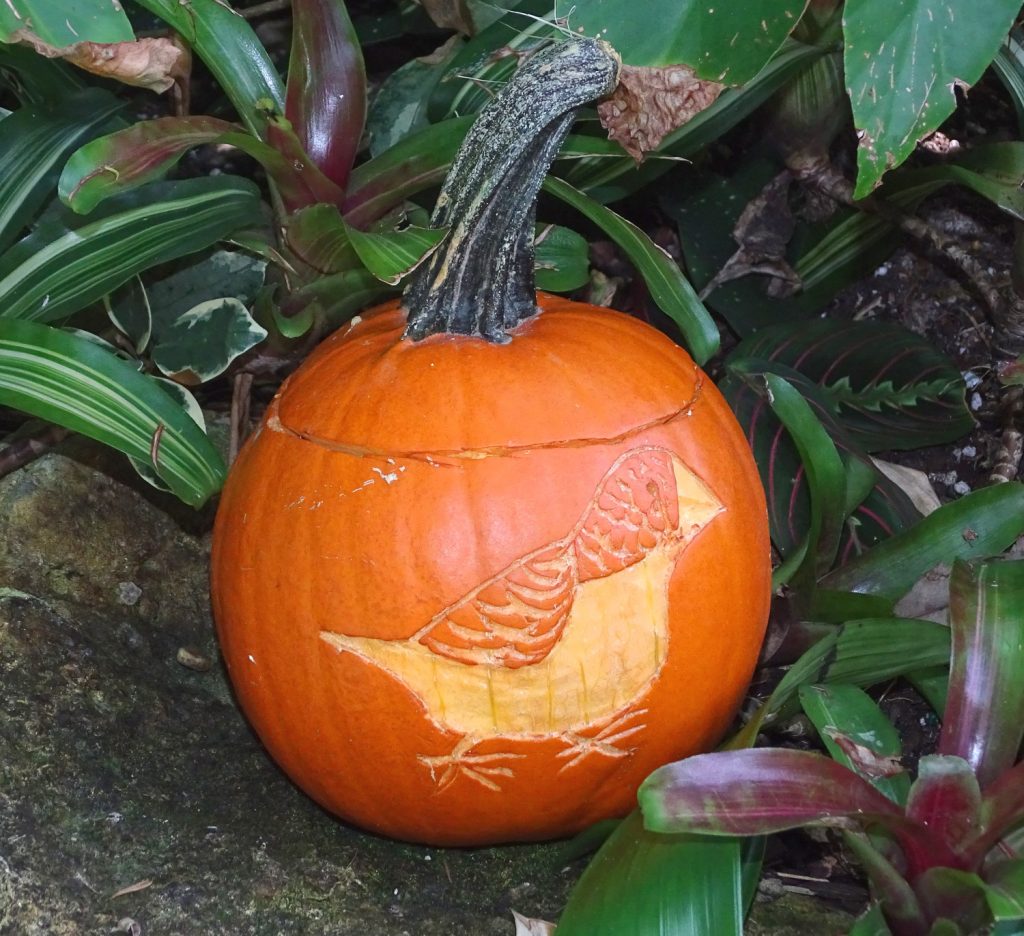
(698, 505)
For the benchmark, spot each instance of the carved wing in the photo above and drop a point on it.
(513, 619)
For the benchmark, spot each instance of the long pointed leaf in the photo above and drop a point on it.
(75, 383)
(757, 791)
(857, 734)
(326, 93)
(34, 144)
(231, 50)
(644, 882)
(982, 523)
(65, 22)
(58, 269)
(984, 717)
(669, 288)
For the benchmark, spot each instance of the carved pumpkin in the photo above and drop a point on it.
(492, 556)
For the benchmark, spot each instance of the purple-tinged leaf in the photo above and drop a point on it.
(144, 152)
(946, 798)
(131, 157)
(898, 906)
(1011, 373)
(326, 94)
(309, 185)
(761, 790)
(984, 718)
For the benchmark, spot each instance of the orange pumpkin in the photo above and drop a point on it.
(475, 590)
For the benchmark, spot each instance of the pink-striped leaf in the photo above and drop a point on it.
(326, 94)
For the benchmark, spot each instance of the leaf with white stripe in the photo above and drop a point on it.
(68, 262)
(58, 376)
(35, 142)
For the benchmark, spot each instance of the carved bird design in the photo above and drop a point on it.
(564, 640)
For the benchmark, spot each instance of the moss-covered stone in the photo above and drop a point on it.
(119, 765)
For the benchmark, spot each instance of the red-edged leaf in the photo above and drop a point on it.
(984, 718)
(760, 790)
(145, 151)
(315, 187)
(889, 388)
(326, 94)
(885, 511)
(946, 798)
(954, 894)
(889, 887)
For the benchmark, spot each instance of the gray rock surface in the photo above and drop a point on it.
(120, 766)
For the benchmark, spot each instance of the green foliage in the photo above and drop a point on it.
(64, 22)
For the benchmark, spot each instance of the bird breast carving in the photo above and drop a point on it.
(565, 640)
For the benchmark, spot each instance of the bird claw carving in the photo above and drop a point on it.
(480, 768)
(605, 742)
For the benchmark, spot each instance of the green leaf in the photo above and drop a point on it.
(562, 260)
(889, 388)
(1009, 66)
(903, 62)
(668, 287)
(1005, 890)
(399, 106)
(318, 236)
(339, 296)
(993, 170)
(863, 653)
(201, 343)
(35, 80)
(391, 255)
(64, 22)
(826, 474)
(128, 308)
(871, 923)
(644, 882)
(69, 262)
(222, 273)
(858, 735)
(980, 524)
(231, 50)
(34, 144)
(725, 42)
(60, 377)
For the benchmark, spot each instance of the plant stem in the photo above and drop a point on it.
(480, 281)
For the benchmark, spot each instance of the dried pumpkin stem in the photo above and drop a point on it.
(480, 280)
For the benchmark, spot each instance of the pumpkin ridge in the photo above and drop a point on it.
(439, 456)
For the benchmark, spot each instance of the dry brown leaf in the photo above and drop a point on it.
(154, 63)
(867, 761)
(652, 102)
(450, 14)
(133, 888)
(915, 484)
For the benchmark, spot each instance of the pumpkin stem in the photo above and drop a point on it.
(480, 279)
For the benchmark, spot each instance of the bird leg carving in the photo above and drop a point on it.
(605, 742)
(480, 768)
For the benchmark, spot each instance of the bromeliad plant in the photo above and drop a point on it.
(941, 853)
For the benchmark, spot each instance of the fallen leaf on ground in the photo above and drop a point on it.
(652, 102)
(153, 63)
(913, 483)
(133, 888)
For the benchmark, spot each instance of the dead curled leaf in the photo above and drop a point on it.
(154, 63)
(450, 14)
(652, 102)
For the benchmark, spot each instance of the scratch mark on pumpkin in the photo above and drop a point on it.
(450, 458)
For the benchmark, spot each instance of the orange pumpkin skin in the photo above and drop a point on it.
(392, 479)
